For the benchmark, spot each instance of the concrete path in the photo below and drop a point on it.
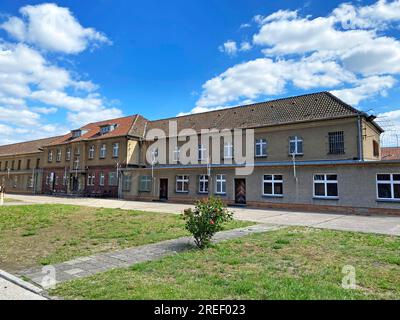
(83, 267)
(372, 224)
(13, 288)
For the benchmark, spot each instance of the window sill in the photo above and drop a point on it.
(272, 195)
(199, 192)
(325, 198)
(144, 191)
(388, 200)
(296, 155)
(185, 192)
(262, 156)
(220, 194)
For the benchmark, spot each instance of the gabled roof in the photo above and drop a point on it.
(28, 147)
(309, 107)
(390, 153)
(91, 131)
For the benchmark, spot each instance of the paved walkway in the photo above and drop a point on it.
(13, 288)
(372, 224)
(83, 267)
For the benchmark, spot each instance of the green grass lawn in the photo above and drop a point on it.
(291, 263)
(46, 234)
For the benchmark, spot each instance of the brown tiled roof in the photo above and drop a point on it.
(91, 131)
(25, 147)
(390, 153)
(315, 106)
(139, 127)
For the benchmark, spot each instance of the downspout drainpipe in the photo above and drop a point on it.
(360, 144)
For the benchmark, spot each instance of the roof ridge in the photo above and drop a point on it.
(263, 102)
(342, 102)
(36, 140)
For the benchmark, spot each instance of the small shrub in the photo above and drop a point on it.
(206, 220)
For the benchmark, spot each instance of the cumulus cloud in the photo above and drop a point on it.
(53, 28)
(346, 52)
(33, 86)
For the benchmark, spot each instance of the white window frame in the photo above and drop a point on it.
(296, 140)
(126, 182)
(177, 154)
(91, 152)
(203, 179)
(102, 180)
(261, 142)
(112, 177)
(273, 181)
(228, 151)
(182, 179)
(50, 156)
(115, 150)
(201, 152)
(30, 181)
(68, 154)
(326, 182)
(146, 181)
(220, 180)
(58, 155)
(76, 163)
(391, 182)
(91, 178)
(103, 151)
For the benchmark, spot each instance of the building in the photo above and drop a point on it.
(311, 152)
(390, 153)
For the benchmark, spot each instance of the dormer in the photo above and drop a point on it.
(107, 128)
(76, 133)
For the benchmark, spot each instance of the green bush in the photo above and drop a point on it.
(206, 220)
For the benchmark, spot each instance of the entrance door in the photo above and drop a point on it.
(75, 184)
(240, 191)
(163, 189)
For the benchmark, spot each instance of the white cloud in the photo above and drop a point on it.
(366, 88)
(53, 28)
(229, 47)
(44, 110)
(86, 116)
(346, 52)
(245, 46)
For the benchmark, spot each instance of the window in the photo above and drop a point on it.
(220, 184)
(58, 156)
(376, 148)
(112, 179)
(126, 182)
(336, 142)
(6, 166)
(19, 164)
(388, 186)
(101, 181)
(12, 164)
(273, 185)
(177, 152)
(228, 151)
(90, 181)
(56, 181)
(103, 151)
(182, 183)
(326, 186)
(261, 147)
(115, 150)
(107, 128)
(203, 183)
(295, 145)
(77, 151)
(65, 179)
(15, 181)
(145, 184)
(76, 133)
(47, 179)
(76, 163)
(37, 163)
(28, 164)
(202, 152)
(30, 182)
(91, 152)
(50, 156)
(154, 156)
(68, 154)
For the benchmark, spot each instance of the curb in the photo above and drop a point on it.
(23, 284)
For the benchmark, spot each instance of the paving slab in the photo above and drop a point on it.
(83, 267)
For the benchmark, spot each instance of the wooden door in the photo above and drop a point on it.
(240, 191)
(163, 189)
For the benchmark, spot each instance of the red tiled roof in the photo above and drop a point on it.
(91, 131)
(25, 147)
(390, 153)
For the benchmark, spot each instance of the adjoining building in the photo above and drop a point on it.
(311, 152)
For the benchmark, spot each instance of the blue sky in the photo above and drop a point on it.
(66, 63)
